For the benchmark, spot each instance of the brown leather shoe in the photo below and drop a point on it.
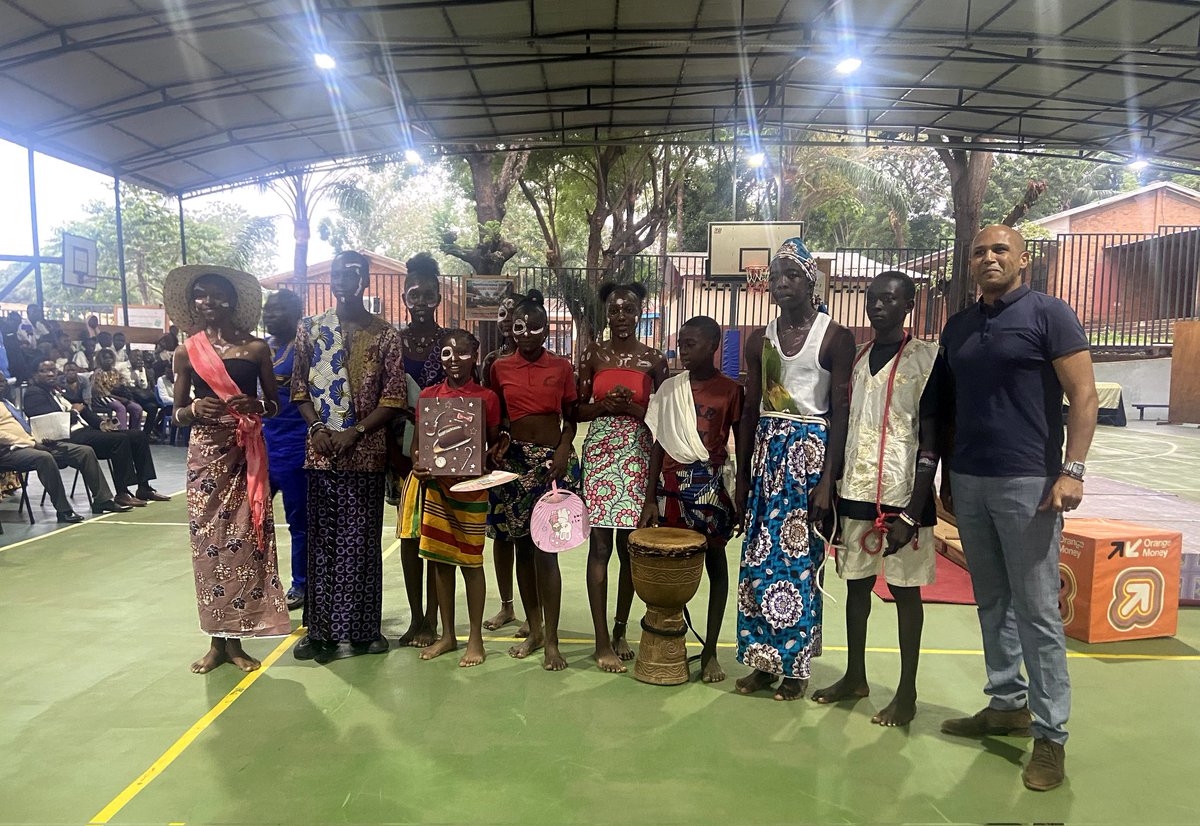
(151, 495)
(991, 721)
(1046, 769)
(129, 500)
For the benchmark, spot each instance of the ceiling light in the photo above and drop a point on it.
(324, 61)
(413, 157)
(757, 159)
(1138, 164)
(848, 65)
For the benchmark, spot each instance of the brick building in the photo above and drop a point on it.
(1132, 257)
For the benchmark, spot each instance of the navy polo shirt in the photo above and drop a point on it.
(1008, 401)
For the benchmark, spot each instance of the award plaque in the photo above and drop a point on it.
(450, 436)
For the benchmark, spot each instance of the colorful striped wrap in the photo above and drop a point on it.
(450, 526)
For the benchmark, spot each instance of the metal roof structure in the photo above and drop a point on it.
(182, 96)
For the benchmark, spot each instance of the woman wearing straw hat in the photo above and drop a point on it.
(218, 373)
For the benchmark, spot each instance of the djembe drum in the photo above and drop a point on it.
(666, 566)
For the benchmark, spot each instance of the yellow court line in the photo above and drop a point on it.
(168, 757)
(961, 652)
(188, 737)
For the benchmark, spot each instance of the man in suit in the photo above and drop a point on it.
(21, 452)
(128, 450)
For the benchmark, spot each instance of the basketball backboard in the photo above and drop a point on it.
(79, 261)
(735, 245)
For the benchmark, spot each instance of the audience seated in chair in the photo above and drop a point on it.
(20, 452)
(129, 451)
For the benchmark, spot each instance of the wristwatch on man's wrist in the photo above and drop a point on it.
(1073, 469)
(360, 430)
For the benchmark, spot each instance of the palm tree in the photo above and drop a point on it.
(810, 176)
(302, 192)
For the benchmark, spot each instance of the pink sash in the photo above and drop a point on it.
(210, 367)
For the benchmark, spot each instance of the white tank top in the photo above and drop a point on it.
(796, 384)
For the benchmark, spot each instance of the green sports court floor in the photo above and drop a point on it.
(101, 721)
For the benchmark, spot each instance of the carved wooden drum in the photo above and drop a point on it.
(667, 563)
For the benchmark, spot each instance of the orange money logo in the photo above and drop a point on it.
(1067, 589)
(1137, 600)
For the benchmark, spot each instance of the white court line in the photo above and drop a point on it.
(64, 528)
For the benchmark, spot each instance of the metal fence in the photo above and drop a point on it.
(1128, 289)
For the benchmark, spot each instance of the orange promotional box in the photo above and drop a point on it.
(1118, 580)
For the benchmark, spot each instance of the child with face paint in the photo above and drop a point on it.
(423, 365)
(503, 552)
(539, 399)
(449, 526)
(616, 379)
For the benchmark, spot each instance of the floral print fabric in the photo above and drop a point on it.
(373, 369)
(616, 464)
(238, 591)
(778, 601)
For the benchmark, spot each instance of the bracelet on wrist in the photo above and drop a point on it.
(906, 519)
(317, 425)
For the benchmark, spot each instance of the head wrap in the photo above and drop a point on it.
(794, 251)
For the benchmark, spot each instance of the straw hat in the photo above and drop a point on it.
(177, 296)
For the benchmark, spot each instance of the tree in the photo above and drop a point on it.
(622, 193)
(1067, 183)
(493, 175)
(221, 233)
(302, 192)
(969, 171)
(808, 177)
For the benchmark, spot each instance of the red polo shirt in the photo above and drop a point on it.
(535, 387)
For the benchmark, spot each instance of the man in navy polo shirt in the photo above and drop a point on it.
(1011, 357)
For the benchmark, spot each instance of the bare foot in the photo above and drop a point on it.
(426, 636)
(418, 635)
(899, 712)
(609, 661)
(209, 661)
(406, 639)
(523, 631)
(553, 661)
(710, 669)
(474, 654)
(847, 688)
(791, 689)
(442, 645)
(501, 619)
(235, 654)
(621, 648)
(755, 681)
(522, 650)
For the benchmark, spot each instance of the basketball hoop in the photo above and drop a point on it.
(756, 277)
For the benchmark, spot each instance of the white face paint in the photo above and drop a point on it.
(504, 310)
(520, 328)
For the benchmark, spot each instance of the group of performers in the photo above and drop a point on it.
(834, 445)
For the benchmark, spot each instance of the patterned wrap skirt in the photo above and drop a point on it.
(695, 497)
(616, 464)
(450, 526)
(343, 600)
(778, 600)
(238, 590)
(511, 505)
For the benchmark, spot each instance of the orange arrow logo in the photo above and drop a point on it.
(1137, 600)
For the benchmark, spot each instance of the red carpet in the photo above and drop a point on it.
(952, 585)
